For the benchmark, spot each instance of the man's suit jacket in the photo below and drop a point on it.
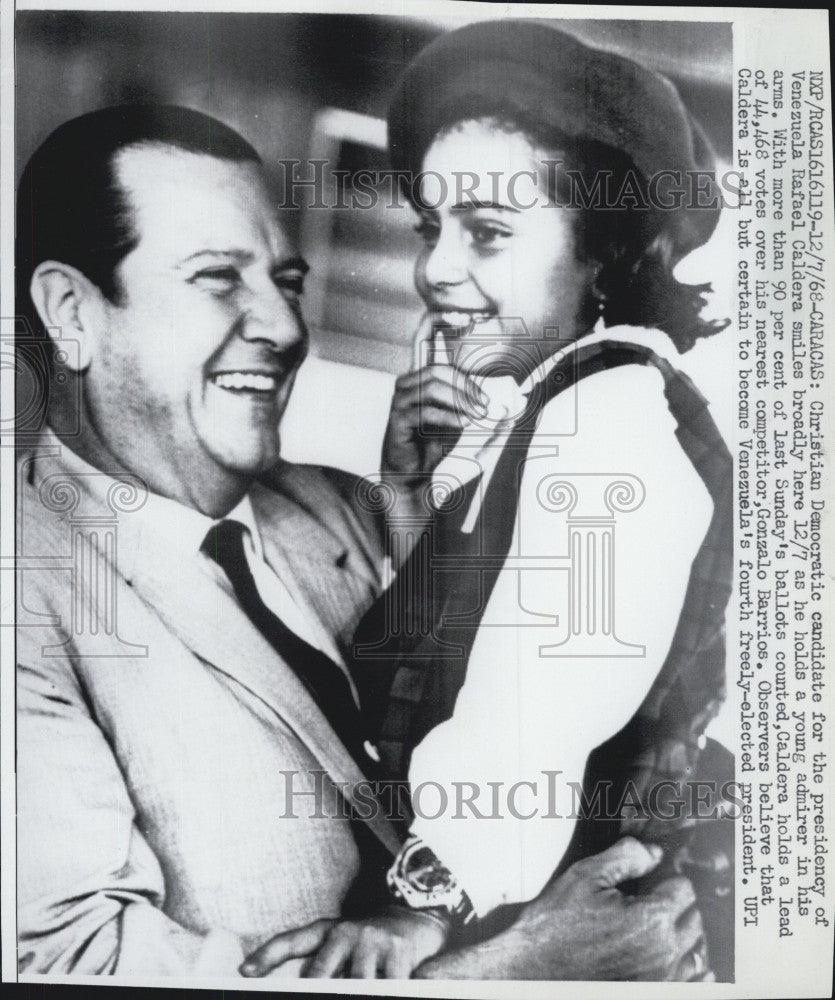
(176, 786)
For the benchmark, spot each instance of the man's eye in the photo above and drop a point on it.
(291, 282)
(218, 279)
(428, 231)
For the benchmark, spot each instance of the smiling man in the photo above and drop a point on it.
(183, 708)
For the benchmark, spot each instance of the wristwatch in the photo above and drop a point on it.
(422, 881)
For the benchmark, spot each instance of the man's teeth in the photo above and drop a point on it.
(245, 380)
(455, 318)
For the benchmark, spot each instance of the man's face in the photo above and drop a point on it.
(193, 368)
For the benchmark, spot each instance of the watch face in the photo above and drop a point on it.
(425, 872)
(421, 880)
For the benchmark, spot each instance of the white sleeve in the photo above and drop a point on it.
(494, 789)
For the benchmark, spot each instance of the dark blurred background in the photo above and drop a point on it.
(268, 73)
(286, 81)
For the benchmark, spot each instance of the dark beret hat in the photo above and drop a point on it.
(538, 72)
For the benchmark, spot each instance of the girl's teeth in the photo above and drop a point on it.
(462, 318)
(245, 380)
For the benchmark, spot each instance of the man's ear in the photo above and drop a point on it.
(69, 301)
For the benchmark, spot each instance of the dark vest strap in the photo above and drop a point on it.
(409, 678)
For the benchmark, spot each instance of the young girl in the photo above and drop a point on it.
(592, 641)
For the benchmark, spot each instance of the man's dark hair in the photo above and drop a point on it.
(71, 208)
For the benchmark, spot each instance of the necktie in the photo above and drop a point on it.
(323, 679)
(330, 689)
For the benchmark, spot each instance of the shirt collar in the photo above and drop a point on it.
(162, 521)
(245, 514)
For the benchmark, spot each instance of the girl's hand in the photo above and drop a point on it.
(388, 946)
(428, 413)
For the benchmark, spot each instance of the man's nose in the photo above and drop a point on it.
(272, 317)
(446, 262)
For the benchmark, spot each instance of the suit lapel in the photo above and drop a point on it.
(202, 611)
(304, 555)
(298, 532)
(324, 569)
(194, 601)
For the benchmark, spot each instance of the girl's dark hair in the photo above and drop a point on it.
(617, 226)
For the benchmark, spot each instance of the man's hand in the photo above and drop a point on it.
(426, 403)
(580, 927)
(583, 927)
(388, 946)
(604, 934)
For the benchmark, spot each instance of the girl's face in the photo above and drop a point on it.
(498, 269)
